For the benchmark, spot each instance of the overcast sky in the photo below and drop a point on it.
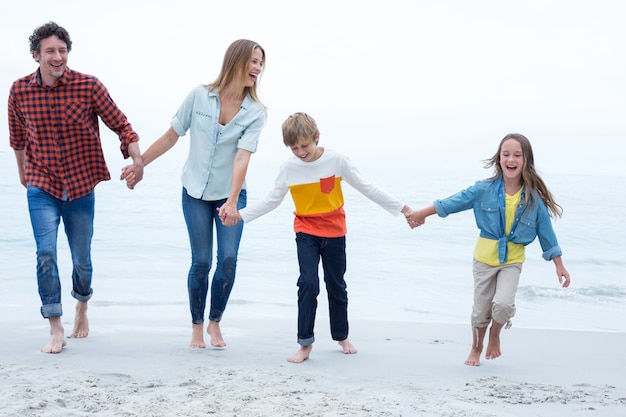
(413, 84)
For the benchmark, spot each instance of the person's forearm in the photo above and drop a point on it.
(19, 158)
(160, 146)
(135, 152)
(240, 169)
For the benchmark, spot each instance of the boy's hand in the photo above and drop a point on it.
(415, 218)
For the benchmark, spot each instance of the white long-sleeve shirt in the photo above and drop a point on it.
(316, 191)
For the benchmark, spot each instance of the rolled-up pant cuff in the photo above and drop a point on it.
(51, 310)
(83, 298)
(306, 342)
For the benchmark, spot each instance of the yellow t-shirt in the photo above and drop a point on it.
(486, 250)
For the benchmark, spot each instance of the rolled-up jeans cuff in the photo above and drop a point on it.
(51, 310)
(83, 298)
(306, 342)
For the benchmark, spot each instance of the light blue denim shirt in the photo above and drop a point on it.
(208, 170)
(488, 201)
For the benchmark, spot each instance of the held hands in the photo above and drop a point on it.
(133, 173)
(408, 211)
(415, 218)
(228, 214)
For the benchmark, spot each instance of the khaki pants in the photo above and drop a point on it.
(494, 293)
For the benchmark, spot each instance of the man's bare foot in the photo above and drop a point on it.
(301, 355)
(493, 347)
(81, 323)
(57, 337)
(197, 336)
(213, 329)
(478, 335)
(347, 347)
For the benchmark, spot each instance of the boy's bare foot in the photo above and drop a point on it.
(197, 336)
(478, 335)
(347, 347)
(213, 329)
(57, 338)
(493, 347)
(81, 323)
(301, 355)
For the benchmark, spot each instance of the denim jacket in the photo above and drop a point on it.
(488, 201)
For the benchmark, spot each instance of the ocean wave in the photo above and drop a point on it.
(596, 294)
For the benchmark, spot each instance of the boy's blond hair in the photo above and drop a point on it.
(297, 126)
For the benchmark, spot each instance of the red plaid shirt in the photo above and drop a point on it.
(57, 127)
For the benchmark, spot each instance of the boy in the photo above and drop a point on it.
(313, 176)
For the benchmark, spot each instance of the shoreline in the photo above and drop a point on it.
(132, 365)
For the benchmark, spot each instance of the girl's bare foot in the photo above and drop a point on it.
(213, 329)
(347, 347)
(81, 323)
(197, 336)
(474, 357)
(301, 355)
(478, 335)
(493, 347)
(57, 338)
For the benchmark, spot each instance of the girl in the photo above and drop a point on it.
(511, 209)
(225, 119)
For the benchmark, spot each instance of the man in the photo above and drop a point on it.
(53, 128)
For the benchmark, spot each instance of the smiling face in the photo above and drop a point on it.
(251, 74)
(52, 58)
(306, 149)
(512, 160)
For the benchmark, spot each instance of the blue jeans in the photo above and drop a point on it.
(45, 216)
(332, 252)
(200, 217)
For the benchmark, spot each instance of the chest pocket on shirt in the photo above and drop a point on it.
(490, 214)
(76, 112)
(327, 185)
(526, 229)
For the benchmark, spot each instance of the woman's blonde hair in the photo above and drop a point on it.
(236, 61)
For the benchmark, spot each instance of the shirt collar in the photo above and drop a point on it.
(245, 104)
(36, 77)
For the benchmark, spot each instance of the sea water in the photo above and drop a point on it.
(141, 251)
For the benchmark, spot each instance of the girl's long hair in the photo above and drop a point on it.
(236, 61)
(531, 179)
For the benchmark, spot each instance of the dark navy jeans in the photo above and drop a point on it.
(332, 252)
(201, 217)
(46, 213)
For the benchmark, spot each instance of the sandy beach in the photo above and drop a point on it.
(136, 362)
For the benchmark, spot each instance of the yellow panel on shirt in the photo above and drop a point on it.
(320, 197)
(319, 208)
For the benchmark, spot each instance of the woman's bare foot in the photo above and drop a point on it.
(347, 347)
(81, 323)
(197, 336)
(478, 335)
(57, 338)
(213, 329)
(301, 355)
(493, 347)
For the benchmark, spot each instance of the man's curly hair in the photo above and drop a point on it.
(45, 31)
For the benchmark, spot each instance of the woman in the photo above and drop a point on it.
(225, 119)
